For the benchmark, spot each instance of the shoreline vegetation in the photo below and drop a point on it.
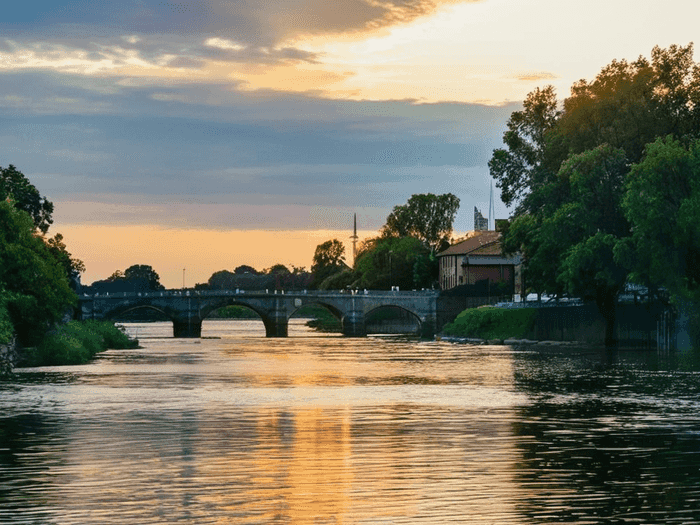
(75, 343)
(489, 324)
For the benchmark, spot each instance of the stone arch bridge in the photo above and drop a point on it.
(187, 308)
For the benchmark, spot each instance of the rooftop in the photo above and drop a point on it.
(486, 242)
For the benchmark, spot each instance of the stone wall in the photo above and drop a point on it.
(8, 357)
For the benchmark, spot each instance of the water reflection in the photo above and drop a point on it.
(612, 438)
(307, 430)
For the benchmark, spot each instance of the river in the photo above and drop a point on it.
(236, 428)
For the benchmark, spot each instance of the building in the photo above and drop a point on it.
(481, 223)
(478, 258)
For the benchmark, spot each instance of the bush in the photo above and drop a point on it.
(77, 342)
(493, 323)
(6, 328)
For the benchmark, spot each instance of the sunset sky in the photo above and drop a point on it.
(208, 134)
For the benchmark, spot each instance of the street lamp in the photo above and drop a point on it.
(183, 278)
(391, 269)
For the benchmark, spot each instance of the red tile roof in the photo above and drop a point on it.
(480, 243)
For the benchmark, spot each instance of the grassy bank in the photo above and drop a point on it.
(77, 342)
(492, 323)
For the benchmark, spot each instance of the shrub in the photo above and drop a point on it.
(77, 342)
(492, 323)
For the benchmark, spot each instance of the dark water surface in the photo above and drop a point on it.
(321, 429)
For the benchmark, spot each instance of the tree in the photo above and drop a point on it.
(629, 105)
(393, 261)
(329, 259)
(73, 267)
(34, 282)
(143, 277)
(662, 203)
(244, 268)
(527, 163)
(426, 217)
(16, 187)
(565, 170)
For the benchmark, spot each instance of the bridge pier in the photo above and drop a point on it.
(276, 324)
(354, 325)
(428, 328)
(187, 328)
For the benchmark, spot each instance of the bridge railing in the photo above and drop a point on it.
(240, 292)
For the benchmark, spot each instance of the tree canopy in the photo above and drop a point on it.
(329, 259)
(33, 282)
(136, 278)
(427, 217)
(663, 203)
(16, 187)
(566, 171)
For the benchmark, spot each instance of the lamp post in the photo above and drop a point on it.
(391, 270)
(183, 278)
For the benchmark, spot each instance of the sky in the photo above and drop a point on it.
(200, 135)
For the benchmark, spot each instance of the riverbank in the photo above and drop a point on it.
(74, 343)
(492, 324)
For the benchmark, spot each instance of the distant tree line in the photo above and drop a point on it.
(606, 186)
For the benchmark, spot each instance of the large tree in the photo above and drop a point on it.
(564, 170)
(426, 217)
(329, 259)
(33, 281)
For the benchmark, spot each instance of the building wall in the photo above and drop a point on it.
(452, 273)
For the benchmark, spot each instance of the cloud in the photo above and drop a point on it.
(251, 23)
(535, 76)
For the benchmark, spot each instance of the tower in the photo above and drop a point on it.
(354, 239)
(480, 222)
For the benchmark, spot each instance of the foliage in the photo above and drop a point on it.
(663, 204)
(566, 170)
(77, 342)
(136, 278)
(324, 321)
(329, 259)
(6, 327)
(17, 188)
(390, 261)
(244, 269)
(73, 267)
(234, 312)
(339, 280)
(523, 165)
(426, 217)
(144, 277)
(493, 323)
(629, 105)
(29, 271)
(277, 269)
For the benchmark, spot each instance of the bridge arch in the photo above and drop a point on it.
(330, 308)
(396, 323)
(122, 310)
(270, 322)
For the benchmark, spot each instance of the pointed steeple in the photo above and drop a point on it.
(354, 239)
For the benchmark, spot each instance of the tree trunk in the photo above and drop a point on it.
(607, 305)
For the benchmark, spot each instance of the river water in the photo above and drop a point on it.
(316, 429)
